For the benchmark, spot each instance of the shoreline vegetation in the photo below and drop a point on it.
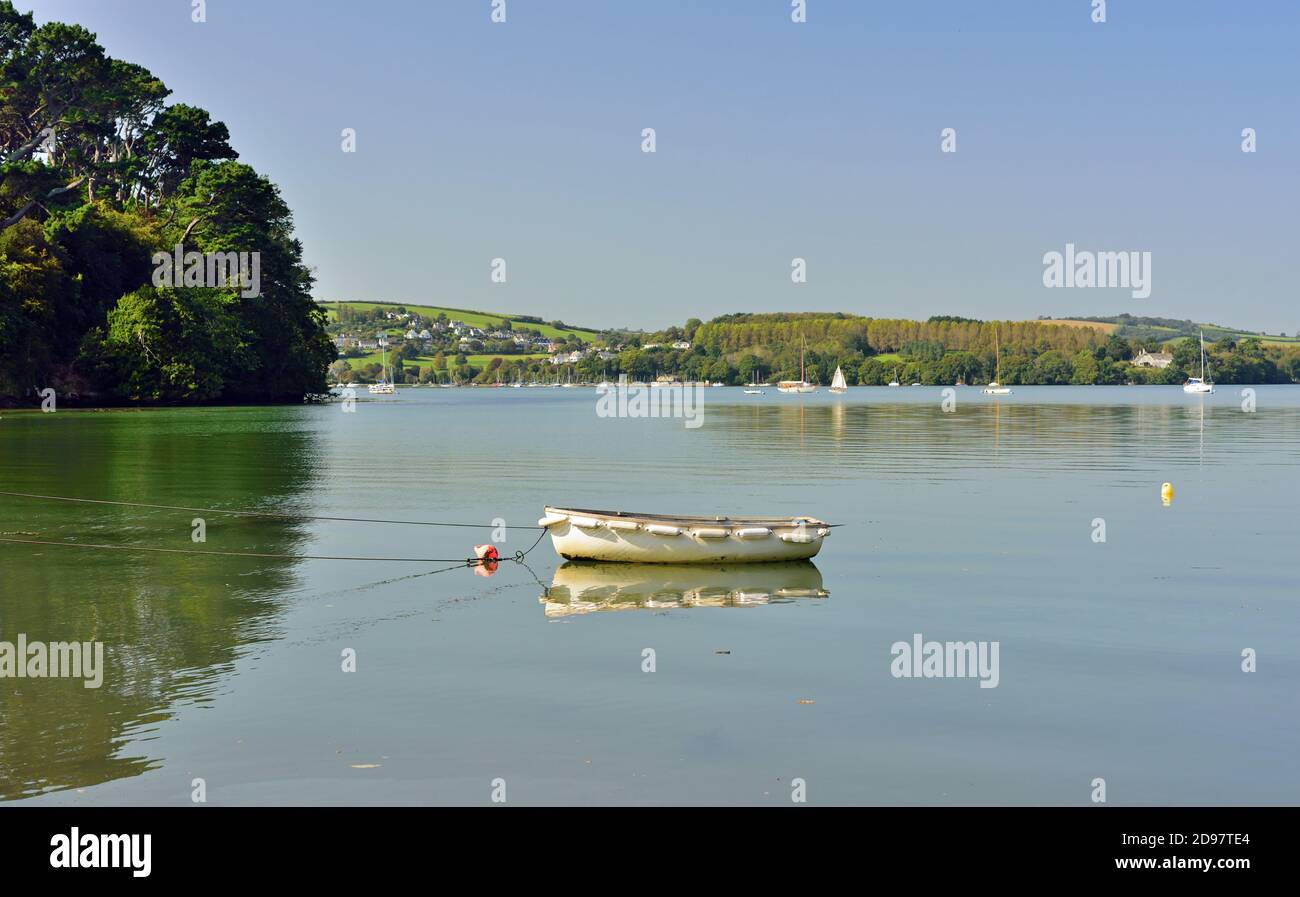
(101, 180)
(428, 345)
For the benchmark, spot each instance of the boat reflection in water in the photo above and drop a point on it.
(581, 587)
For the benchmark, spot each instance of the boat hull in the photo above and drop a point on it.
(652, 539)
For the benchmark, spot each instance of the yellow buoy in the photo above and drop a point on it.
(1167, 492)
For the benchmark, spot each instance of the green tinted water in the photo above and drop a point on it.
(1119, 659)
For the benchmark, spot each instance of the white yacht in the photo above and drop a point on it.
(1200, 384)
(995, 388)
(383, 387)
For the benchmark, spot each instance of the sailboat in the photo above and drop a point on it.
(837, 383)
(894, 382)
(383, 387)
(1200, 384)
(753, 389)
(995, 388)
(802, 384)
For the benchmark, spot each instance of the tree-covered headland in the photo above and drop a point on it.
(98, 174)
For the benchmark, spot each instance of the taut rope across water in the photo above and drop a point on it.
(517, 557)
(272, 514)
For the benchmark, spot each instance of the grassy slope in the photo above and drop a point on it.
(478, 361)
(485, 320)
(1213, 332)
(1216, 333)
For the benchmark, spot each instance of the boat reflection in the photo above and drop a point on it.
(583, 587)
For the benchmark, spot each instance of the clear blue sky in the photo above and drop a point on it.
(775, 140)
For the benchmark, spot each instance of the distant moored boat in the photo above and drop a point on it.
(995, 388)
(1200, 384)
(800, 385)
(383, 387)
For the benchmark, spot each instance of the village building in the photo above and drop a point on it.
(1153, 359)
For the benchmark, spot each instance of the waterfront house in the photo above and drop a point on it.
(1153, 359)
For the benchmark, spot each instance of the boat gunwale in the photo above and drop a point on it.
(788, 521)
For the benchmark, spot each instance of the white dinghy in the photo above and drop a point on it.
(624, 537)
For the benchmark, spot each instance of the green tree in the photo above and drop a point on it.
(1086, 370)
(1053, 367)
(873, 373)
(172, 345)
(94, 158)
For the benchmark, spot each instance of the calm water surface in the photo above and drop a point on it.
(1119, 660)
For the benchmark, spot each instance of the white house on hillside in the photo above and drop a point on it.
(1153, 359)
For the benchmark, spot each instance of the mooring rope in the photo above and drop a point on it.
(273, 514)
(517, 557)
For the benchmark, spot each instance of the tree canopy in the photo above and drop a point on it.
(98, 172)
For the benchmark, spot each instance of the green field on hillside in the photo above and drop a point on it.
(423, 361)
(1168, 331)
(485, 320)
(1218, 333)
(1214, 334)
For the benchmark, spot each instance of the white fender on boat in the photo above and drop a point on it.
(623, 524)
(753, 532)
(801, 538)
(550, 520)
(585, 522)
(661, 530)
(707, 532)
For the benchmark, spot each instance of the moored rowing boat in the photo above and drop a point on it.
(579, 534)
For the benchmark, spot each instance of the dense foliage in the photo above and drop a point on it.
(741, 348)
(97, 173)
